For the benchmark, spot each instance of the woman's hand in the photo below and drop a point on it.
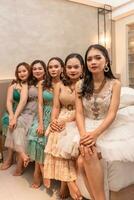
(88, 152)
(84, 150)
(89, 139)
(57, 126)
(47, 131)
(40, 130)
(12, 123)
(11, 117)
(61, 125)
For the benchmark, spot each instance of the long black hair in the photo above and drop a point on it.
(66, 80)
(48, 81)
(88, 86)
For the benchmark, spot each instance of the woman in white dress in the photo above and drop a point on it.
(97, 104)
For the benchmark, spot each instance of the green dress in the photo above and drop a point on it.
(36, 144)
(5, 117)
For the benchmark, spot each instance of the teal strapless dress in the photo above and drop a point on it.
(36, 144)
(5, 117)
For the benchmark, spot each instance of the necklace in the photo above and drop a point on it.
(71, 88)
(95, 108)
(97, 90)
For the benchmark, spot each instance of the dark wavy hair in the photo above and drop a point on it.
(34, 80)
(66, 80)
(18, 80)
(48, 81)
(88, 86)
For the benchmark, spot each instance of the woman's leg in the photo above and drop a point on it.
(8, 162)
(37, 176)
(42, 169)
(46, 181)
(25, 159)
(94, 173)
(74, 190)
(81, 170)
(19, 166)
(64, 192)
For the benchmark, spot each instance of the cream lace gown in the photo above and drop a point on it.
(57, 165)
(117, 142)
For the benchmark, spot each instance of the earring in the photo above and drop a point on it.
(44, 76)
(106, 68)
(62, 75)
(81, 76)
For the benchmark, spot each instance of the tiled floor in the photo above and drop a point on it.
(18, 188)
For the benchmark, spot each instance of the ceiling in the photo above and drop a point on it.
(113, 3)
(121, 8)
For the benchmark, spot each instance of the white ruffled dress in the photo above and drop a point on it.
(117, 142)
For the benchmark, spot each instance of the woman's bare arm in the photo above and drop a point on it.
(40, 108)
(56, 102)
(80, 119)
(90, 138)
(9, 102)
(23, 100)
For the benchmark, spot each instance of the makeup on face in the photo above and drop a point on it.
(73, 68)
(23, 73)
(38, 71)
(95, 61)
(54, 68)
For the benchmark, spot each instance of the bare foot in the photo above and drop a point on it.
(36, 185)
(18, 171)
(47, 183)
(6, 165)
(37, 181)
(64, 191)
(74, 191)
(26, 161)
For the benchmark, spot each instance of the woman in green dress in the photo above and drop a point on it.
(15, 91)
(17, 134)
(15, 100)
(36, 139)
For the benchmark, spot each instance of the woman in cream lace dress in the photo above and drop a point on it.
(58, 165)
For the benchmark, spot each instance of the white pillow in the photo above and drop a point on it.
(127, 97)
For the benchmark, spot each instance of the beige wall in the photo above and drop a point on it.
(32, 29)
(113, 48)
(121, 47)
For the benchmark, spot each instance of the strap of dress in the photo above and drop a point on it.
(79, 86)
(111, 83)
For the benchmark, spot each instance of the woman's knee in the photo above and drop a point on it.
(90, 154)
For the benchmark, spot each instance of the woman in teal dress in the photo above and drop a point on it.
(5, 118)
(13, 94)
(15, 90)
(36, 144)
(36, 138)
